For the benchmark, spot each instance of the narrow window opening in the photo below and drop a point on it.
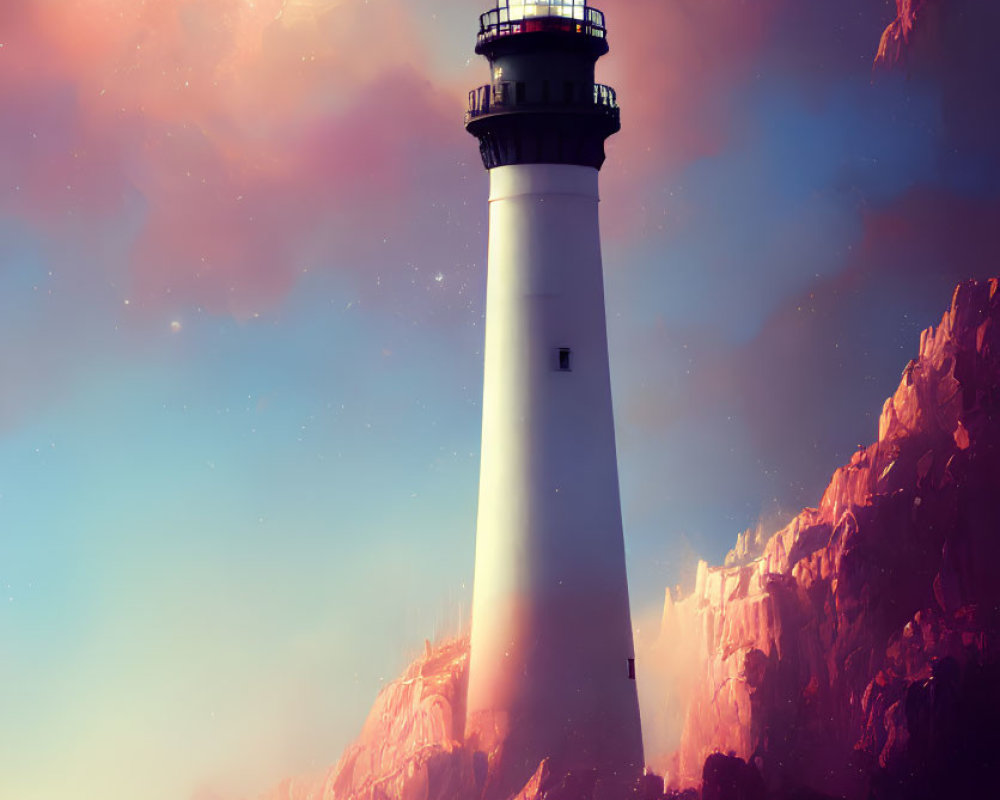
(564, 360)
(569, 92)
(519, 92)
(545, 91)
(631, 669)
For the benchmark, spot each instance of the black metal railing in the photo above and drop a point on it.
(501, 97)
(544, 16)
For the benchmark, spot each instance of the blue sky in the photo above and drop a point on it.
(241, 297)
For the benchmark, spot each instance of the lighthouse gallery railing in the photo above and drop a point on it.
(496, 98)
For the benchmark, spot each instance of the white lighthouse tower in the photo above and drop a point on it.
(552, 664)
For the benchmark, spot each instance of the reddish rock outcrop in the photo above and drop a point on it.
(822, 659)
(915, 20)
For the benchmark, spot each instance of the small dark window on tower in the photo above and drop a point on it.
(564, 362)
(631, 669)
(519, 92)
(545, 91)
(569, 92)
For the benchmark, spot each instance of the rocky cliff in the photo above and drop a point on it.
(857, 652)
(915, 20)
(853, 653)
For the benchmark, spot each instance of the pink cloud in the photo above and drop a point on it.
(248, 129)
(674, 64)
(241, 132)
(233, 227)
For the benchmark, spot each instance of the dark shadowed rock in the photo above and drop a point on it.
(730, 778)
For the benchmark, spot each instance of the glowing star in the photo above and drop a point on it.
(175, 326)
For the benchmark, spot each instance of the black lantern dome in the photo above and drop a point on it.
(542, 105)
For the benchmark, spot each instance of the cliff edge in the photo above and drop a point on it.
(857, 654)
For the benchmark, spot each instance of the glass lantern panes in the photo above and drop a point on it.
(525, 9)
(519, 16)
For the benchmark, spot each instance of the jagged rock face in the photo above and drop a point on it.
(839, 656)
(915, 20)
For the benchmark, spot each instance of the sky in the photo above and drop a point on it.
(242, 283)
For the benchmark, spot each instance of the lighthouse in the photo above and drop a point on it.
(552, 666)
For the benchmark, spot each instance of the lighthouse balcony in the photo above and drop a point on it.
(509, 97)
(512, 17)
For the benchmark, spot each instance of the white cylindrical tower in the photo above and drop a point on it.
(552, 663)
